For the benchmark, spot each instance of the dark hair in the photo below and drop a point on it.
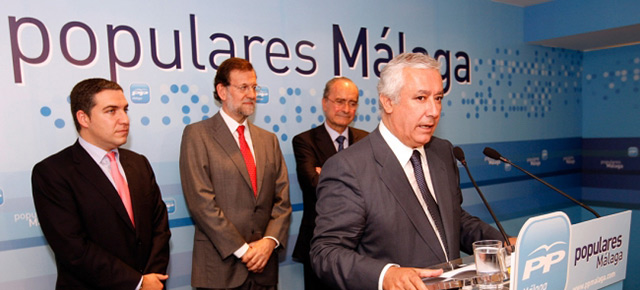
(82, 95)
(224, 70)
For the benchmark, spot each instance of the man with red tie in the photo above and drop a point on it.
(99, 205)
(236, 185)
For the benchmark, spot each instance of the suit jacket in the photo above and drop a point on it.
(369, 216)
(86, 224)
(217, 188)
(312, 148)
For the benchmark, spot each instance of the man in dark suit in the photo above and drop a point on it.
(312, 148)
(98, 205)
(236, 185)
(391, 205)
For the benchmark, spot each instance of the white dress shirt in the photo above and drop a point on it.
(403, 155)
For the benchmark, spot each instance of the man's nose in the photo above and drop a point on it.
(124, 117)
(252, 93)
(433, 109)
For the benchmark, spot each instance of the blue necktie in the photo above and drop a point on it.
(432, 206)
(340, 141)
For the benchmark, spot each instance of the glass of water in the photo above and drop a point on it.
(490, 263)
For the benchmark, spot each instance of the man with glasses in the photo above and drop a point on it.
(236, 185)
(312, 148)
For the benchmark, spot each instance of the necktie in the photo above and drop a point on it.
(121, 185)
(340, 141)
(432, 206)
(248, 160)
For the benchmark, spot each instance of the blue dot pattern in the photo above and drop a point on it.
(512, 87)
(505, 83)
(45, 111)
(59, 123)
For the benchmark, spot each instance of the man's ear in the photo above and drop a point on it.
(83, 119)
(325, 104)
(387, 104)
(222, 92)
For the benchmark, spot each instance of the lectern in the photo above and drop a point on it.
(553, 254)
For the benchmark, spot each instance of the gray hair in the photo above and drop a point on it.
(391, 78)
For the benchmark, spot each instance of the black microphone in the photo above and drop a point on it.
(493, 154)
(459, 154)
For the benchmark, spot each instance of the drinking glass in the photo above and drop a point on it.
(490, 263)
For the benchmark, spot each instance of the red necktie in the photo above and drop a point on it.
(121, 185)
(248, 160)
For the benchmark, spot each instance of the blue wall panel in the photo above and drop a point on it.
(533, 104)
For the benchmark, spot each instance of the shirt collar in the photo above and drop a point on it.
(402, 152)
(96, 153)
(334, 134)
(231, 123)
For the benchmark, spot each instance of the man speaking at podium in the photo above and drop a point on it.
(390, 205)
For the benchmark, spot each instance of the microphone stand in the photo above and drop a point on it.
(495, 155)
(459, 154)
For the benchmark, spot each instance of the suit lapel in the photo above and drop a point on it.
(134, 182)
(353, 138)
(392, 175)
(92, 173)
(440, 180)
(221, 134)
(323, 142)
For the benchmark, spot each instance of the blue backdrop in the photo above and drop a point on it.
(538, 106)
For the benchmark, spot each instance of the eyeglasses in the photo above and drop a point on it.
(247, 88)
(343, 102)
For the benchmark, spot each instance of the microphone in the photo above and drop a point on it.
(459, 154)
(493, 154)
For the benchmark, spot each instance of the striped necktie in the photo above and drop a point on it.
(432, 206)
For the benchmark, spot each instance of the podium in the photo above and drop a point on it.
(553, 254)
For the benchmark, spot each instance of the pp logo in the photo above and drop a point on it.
(542, 261)
(140, 93)
(545, 261)
(171, 205)
(632, 151)
(262, 96)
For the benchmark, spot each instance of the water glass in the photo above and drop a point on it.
(490, 263)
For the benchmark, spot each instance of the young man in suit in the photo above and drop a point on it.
(99, 205)
(391, 205)
(236, 185)
(312, 148)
